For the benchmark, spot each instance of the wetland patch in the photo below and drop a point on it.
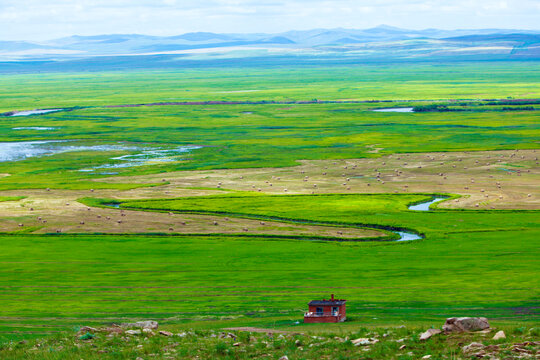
(34, 112)
(398, 110)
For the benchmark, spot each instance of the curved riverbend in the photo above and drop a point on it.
(407, 236)
(424, 206)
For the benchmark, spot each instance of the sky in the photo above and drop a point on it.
(50, 19)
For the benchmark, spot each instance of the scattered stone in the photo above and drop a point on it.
(148, 324)
(426, 357)
(284, 357)
(236, 344)
(165, 333)
(473, 348)
(364, 341)
(402, 347)
(499, 335)
(133, 332)
(465, 324)
(429, 333)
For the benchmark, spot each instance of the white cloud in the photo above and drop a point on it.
(40, 20)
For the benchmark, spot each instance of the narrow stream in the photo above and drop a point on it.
(403, 235)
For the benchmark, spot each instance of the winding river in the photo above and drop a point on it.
(403, 235)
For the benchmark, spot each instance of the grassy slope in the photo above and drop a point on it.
(389, 343)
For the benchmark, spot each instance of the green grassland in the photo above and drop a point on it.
(478, 263)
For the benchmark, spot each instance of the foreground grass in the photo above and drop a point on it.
(209, 282)
(384, 343)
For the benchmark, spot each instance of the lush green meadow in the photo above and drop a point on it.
(484, 80)
(471, 262)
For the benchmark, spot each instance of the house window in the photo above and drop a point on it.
(335, 310)
(319, 311)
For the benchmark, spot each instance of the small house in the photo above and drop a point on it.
(326, 311)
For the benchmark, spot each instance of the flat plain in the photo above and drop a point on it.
(212, 215)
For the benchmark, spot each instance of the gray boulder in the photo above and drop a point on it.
(149, 324)
(465, 324)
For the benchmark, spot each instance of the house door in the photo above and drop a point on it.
(335, 310)
(319, 311)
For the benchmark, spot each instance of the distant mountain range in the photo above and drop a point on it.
(382, 42)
